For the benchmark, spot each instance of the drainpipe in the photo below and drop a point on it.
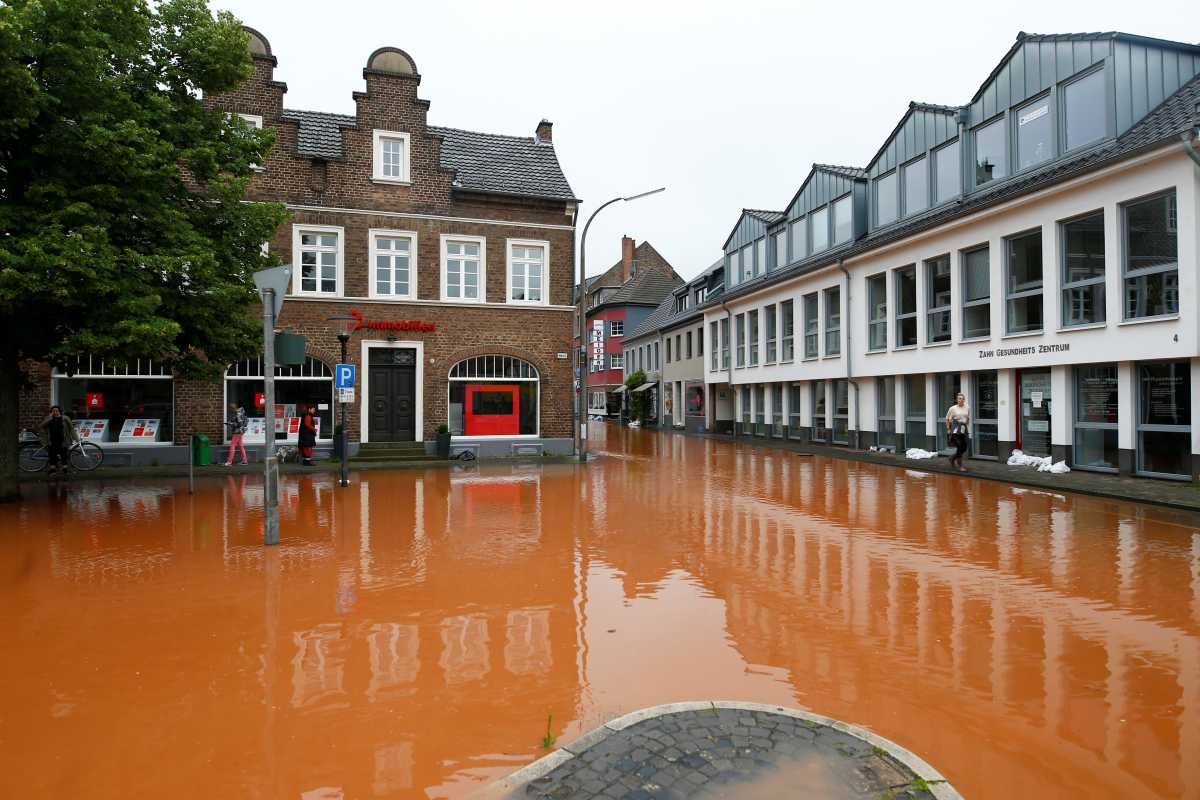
(729, 370)
(1189, 145)
(849, 351)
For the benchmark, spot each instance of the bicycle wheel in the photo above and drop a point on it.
(87, 456)
(33, 458)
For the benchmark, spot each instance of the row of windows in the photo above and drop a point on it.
(820, 311)
(390, 152)
(677, 347)
(318, 253)
(1150, 280)
(808, 235)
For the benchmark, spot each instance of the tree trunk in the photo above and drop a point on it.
(11, 378)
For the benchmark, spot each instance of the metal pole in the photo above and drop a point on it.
(270, 462)
(191, 462)
(345, 479)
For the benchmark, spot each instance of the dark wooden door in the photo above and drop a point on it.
(392, 378)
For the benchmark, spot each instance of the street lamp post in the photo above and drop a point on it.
(581, 312)
(346, 326)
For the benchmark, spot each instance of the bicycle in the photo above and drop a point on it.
(83, 456)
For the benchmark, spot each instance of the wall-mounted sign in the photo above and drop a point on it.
(390, 325)
(1028, 350)
(260, 399)
(597, 345)
(95, 401)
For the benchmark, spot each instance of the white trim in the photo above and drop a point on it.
(508, 257)
(431, 303)
(372, 233)
(253, 120)
(440, 217)
(297, 229)
(377, 139)
(482, 242)
(364, 409)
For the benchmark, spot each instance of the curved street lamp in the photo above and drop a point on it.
(345, 325)
(580, 410)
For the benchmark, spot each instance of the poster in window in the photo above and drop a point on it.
(95, 401)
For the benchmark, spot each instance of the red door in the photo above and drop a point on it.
(492, 409)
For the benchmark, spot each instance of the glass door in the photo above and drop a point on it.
(986, 413)
(949, 384)
(1035, 412)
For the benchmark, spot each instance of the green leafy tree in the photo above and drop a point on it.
(122, 227)
(637, 400)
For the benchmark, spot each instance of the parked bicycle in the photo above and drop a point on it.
(34, 456)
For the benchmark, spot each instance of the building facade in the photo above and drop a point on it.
(452, 250)
(1035, 249)
(616, 302)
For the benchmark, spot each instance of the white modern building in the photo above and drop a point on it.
(1036, 249)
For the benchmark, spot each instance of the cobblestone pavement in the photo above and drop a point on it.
(726, 753)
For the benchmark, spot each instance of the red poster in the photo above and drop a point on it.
(137, 431)
(260, 399)
(95, 401)
(293, 425)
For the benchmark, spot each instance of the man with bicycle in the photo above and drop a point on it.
(58, 435)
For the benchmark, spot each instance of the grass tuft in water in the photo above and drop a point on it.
(549, 739)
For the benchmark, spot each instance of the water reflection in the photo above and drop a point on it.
(413, 633)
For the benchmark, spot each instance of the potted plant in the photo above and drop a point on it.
(443, 441)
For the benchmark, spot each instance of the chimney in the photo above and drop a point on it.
(544, 132)
(627, 246)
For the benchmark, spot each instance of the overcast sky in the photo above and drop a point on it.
(726, 104)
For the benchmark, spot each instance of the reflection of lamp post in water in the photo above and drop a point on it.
(346, 325)
(580, 408)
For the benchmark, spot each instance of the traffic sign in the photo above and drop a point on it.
(344, 374)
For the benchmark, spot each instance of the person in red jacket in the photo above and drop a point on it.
(308, 435)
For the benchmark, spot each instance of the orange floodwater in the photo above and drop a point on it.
(412, 633)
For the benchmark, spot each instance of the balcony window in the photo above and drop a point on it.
(1083, 270)
(739, 326)
(937, 290)
(752, 335)
(811, 326)
(725, 343)
(977, 294)
(771, 323)
(1023, 285)
(785, 310)
(877, 312)
(833, 321)
(906, 306)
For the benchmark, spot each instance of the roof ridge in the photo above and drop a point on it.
(351, 117)
(934, 107)
(530, 139)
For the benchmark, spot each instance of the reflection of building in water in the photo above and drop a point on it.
(464, 648)
(393, 768)
(319, 667)
(394, 651)
(527, 651)
(1025, 619)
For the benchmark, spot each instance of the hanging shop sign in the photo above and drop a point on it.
(597, 345)
(390, 325)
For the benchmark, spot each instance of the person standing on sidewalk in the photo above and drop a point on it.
(958, 420)
(308, 435)
(236, 422)
(57, 434)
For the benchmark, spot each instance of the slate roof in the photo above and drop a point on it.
(934, 107)
(665, 315)
(515, 165)
(769, 217)
(646, 289)
(320, 133)
(849, 172)
(483, 162)
(1173, 116)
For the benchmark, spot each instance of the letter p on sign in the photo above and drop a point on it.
(344, 376)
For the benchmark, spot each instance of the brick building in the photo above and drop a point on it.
(453, 248)
(616, 302)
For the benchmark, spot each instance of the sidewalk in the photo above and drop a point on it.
(1183, 495)
(718, 749)
(321, 467)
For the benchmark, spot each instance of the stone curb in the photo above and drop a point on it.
(938, 785)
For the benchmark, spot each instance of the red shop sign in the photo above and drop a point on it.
(260, 399)
(388, 325)
(95, 401)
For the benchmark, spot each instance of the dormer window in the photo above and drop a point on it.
(843, 220)
(886, 199)
(991, 156)
(391, 157)
(1086, 110)
(1035, 133)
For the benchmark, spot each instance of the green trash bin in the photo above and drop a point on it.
(201, 450)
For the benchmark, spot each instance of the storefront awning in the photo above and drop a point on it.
(646, 386)
(619, 389)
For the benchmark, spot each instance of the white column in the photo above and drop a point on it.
(768, 403)
(710, 408)
(1062, 412)
(806, 420)
(786, 404)
(1006, 423)
(737, 402)
(829, 399)
(932, 402)
(967, 382)
(1126, 410)
(1195, 393)
(956, 289)
(1051, 295)
(901, 406)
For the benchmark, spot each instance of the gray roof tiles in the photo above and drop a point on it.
(769, 217)
(648, 288)
(483, 162)
(665, 315)
(849, 172)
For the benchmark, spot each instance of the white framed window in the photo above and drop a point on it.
(616, 327)
(528, 263)
(616, 361)
(317, 252)
(391, 152)
(463, 268)
(253, 120)
(393, 264)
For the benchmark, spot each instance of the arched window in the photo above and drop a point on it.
(493, 395)
(309, 383)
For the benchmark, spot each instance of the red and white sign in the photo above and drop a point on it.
(139, 431)
(390, 325)
(260, 399)
(91, 430)
(95, 401)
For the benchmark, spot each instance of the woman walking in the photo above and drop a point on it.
(958, 420)
(236, 422)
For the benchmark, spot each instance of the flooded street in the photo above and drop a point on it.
(413, 633)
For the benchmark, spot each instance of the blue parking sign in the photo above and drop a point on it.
(344, 376)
